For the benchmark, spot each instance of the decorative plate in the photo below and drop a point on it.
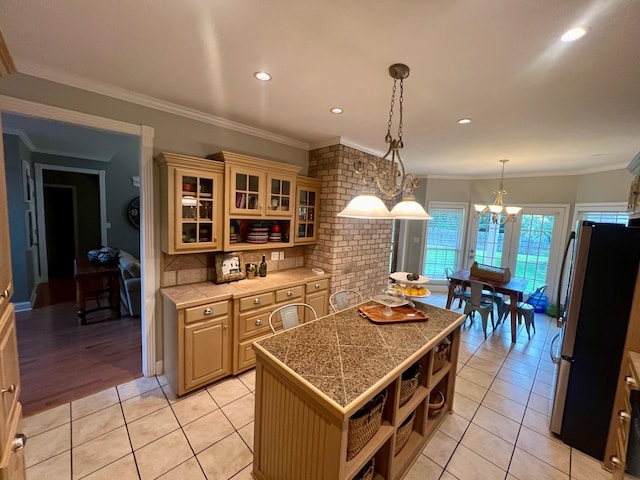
(401, 277)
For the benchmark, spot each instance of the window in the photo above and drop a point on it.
(445, 233)
(603, 212)
(534, 248)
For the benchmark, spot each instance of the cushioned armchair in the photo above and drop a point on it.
(129, 282)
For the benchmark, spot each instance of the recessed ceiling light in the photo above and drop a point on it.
(264, 76)
(573, 34)
(337, 110)
(464, 121)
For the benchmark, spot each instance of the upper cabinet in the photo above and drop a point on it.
(633, 205)
(192, 203)
(307, 205)
(260, 202)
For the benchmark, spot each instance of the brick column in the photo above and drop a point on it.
(355, 252)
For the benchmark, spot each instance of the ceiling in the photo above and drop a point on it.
(547, 106)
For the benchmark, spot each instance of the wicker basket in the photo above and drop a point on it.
(403, 433)
(436, 404)
(364, 424)
(409, 383)
(441, 356)
(367, 471)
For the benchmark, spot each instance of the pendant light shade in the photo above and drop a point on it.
(365, 206)
(409, 209)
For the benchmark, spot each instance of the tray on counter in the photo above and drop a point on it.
(398, 314)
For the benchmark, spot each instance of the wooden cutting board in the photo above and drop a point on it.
(400, 314)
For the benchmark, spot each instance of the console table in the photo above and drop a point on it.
(96, 280)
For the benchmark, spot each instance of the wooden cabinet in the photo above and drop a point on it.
(293, 416)
(633, 205)
(6, 276)
(621, 419)
(260, 202)
(197, 344)
(307, 206)
(252, 321)
(192, 203)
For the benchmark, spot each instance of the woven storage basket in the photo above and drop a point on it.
(441, 357)
(364, 424)
(409, 383)
(403, 433)
(367, 472)
(436, 404)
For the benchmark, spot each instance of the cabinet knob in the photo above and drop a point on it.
(317, 285)
(615, 461)
(5, 294)
(19, 442)
(226, 326)
(10, 389)
(256, 301)
(289, 293)
(630, 381)
(624, 416)
(258, 322)
(215, 238)
(208, 311)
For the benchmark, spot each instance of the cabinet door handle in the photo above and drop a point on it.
(615, 461)
(10, 389)
(258, 322)
(5, 294)
(226, 326)
(19, 442)
(289, 293)
(215, 238)
(630, 381)
(208, 311)
(256, 301)
(624, 416)
(317, 285)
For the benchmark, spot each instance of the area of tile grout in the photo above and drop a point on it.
(141, 431)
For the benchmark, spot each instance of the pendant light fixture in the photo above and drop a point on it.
(499, 213)
(388, 172)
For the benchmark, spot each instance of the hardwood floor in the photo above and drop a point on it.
(61, 361)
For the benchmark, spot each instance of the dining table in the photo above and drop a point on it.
(514, 288)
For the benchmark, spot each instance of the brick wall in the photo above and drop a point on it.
(355, 252)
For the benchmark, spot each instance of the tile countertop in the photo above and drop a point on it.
(343, 354)
(184, 296)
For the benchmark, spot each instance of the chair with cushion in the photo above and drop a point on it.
(481, 301)
(459, 292)
(289, 315)
(130, 294)
(526, 309)
(340, 300)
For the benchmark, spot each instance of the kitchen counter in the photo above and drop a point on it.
(312, 380)
(184, 296)
(343, 355)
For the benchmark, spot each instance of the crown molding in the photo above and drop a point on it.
(24, 136)
(347, 142)
(151, 102)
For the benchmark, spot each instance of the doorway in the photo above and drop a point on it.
(531, 246)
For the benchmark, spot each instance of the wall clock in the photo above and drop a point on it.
(133, 212)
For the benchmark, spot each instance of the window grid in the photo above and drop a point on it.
(534, 249)
(489, 241)
(444, 240)
(604, 217)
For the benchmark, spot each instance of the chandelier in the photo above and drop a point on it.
(388, 173)
(499, 213)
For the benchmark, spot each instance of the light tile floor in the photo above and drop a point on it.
(140, 430)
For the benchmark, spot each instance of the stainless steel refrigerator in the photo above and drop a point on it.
(603, 264)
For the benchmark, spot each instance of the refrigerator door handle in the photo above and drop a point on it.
(554, 358)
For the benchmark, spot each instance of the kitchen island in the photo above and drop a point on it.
(312, 380)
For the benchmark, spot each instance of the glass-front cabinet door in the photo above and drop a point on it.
(246, 192)
(308, 198)
(198, 212)
(280, 195)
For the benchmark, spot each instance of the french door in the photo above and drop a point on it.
(531, 246)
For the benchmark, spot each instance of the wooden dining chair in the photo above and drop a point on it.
(289, 315)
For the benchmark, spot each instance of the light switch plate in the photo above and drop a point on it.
(281, 255)
(274, 256)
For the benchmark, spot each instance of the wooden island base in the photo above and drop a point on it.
(303, 410)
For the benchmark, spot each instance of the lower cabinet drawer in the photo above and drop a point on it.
(246, 356)
(203, 312)
(289, 294)
(252, 324)
(317, 285)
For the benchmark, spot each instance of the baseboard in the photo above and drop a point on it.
(22, 306)
(159, 367)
